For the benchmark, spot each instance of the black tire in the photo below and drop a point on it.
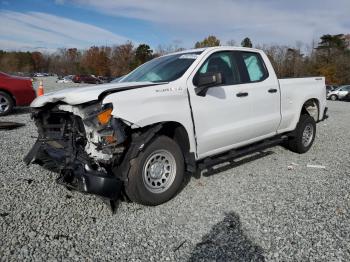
(333, 97)
(137, 189)
(296, 142)
(5, 98)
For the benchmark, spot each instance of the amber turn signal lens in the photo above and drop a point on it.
(104, 116)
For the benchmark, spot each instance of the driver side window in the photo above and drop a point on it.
(224, 63)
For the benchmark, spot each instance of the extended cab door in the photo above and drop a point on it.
(243, 109)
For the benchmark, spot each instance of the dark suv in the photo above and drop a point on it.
(89, 79)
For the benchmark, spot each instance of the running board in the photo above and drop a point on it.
(209, 162)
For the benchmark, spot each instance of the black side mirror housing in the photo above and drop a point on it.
(205, 81)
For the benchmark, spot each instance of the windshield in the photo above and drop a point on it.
(162, 69)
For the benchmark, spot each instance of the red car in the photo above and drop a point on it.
(15, 91)
(89, 79)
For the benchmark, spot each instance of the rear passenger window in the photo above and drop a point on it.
(255, 66)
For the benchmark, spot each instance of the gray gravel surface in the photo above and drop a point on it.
(246, 211)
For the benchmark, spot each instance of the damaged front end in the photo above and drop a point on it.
(81, 144)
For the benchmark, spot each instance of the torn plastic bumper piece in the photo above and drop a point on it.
(76, 175)
(325, 116)
(92, 182)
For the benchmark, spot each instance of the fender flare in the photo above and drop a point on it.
(138, 142)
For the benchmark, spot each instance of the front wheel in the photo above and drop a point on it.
(304, 135)
(157, 173)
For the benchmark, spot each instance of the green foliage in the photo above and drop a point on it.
(330, 47)
(246, 42)
(143, 54)
(332, 41)
(210, 41)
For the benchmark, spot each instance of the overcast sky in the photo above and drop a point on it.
(50, 24)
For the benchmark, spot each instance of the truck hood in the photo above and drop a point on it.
(75, 96)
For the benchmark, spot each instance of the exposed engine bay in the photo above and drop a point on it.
(82, 143)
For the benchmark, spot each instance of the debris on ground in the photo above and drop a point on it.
(28, 180)
(316, 166)
(290, 167)
(10, 125)
(5, 214)
(179, 246)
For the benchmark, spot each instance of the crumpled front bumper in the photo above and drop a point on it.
(77, 175)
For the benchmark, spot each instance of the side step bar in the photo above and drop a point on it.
(209, 162)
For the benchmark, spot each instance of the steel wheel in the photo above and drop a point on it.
(5, 104)
(301, 140)
(308, 134)
(159, 171)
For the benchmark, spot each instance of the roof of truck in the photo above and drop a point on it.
(238, 48)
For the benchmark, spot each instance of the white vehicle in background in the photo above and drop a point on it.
(66, 79)
(339, 93)
(39, 74)
(171, 114)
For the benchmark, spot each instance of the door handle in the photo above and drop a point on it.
(242, 94)
(272, 90)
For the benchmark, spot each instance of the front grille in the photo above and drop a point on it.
(60, 125)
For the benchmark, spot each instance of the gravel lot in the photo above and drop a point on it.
(246, 211)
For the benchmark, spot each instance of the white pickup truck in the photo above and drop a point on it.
(138, 136)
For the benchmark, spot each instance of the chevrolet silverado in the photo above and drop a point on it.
(137, 137)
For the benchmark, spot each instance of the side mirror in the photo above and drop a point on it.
(205, 81)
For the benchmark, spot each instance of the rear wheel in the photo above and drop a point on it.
(304, 135)
(6, 103)
(157, 173)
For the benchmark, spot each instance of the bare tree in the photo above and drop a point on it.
(122, 59)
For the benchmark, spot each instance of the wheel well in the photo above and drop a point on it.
(176, 131)
(312, 108)
(7, 92)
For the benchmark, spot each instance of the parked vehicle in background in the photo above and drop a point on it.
(330, 88)
(66, 79)
(89, 79)
(347, 97)
(41, 74)
(15, 91)
(38, 74)
(22, 74)
(339, 93)
(104, 79)
(169, 115)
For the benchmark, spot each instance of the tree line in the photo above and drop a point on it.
(329, 57)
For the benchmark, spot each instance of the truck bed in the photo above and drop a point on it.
(295, 91)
